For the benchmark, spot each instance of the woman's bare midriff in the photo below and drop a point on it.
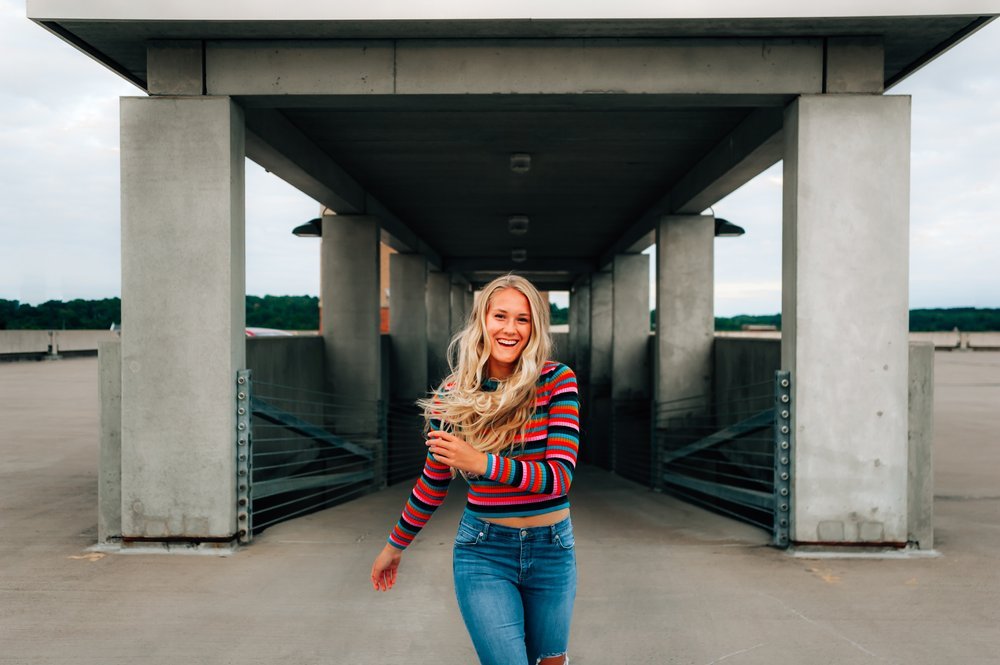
(544, 519)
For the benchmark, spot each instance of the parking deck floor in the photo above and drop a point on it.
(660, 581)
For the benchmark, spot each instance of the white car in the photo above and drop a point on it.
(267, 332)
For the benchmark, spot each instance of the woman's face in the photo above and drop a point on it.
(508, 327)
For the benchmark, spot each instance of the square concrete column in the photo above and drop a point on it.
(845, 313)
(349, 290)
(183, 315)
(579, 329)
(408, 325)
(461, 306)
(598, 450)
(438, 297)
(685, 308)
(685, 324)
(630, 371)
(630, 351)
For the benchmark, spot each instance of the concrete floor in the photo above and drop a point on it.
(660, 581)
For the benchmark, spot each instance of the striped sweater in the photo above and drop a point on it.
(519, 482)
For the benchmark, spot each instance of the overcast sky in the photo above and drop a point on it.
(59, 195)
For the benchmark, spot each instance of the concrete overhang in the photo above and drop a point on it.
(420, 105)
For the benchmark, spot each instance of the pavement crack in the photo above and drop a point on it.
(735, 653)
(825, 627)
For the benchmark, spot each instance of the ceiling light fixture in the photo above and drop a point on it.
(518, 255)
(517, 225)
(520, 162)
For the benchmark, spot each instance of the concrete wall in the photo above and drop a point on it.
(744, 376)
(38, 341)
(561, 349)
(109, 473)
(288, 361)
(920, 462)
(941, 340)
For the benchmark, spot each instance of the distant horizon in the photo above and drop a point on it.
(557, 294)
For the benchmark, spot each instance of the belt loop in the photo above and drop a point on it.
(552, 533)
(486, 529)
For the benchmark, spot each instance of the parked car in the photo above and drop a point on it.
(267, 332)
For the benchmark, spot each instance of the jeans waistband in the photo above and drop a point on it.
(499, 531)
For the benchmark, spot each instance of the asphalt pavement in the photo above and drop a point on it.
(660, 581)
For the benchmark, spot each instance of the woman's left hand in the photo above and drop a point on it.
(456, 453)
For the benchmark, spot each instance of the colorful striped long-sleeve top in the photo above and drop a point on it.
(524, 481)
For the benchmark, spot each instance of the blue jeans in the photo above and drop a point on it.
(515, 589)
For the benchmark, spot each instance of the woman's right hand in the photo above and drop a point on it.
(384, 568)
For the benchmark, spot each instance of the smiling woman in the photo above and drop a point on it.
(507, 420)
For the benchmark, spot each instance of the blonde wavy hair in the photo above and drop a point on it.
(491, 421)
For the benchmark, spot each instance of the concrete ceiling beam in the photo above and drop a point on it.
(542, 281)
(278, 146)
(541, 265)
(748, 66)
(753, 146)
(399, 236)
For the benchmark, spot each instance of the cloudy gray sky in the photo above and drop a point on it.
(59, 209)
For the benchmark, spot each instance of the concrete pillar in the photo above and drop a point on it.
(460, 305)
(685, 324)
(599, 362)
(349, 291)
(630, 351)
(844, 314)
(183, 315)
(685, 309)
(438, 298)
(579, 327)
(408, 326)
(630, 375)
(920, 495)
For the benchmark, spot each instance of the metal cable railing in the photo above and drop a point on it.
(310, 450)
(729, 451)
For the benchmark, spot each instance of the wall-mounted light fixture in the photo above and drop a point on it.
(518, 255)
(726, 229)
(517, 225)
(311, 229)
(520, 162)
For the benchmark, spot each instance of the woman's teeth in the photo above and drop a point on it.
(506, 342)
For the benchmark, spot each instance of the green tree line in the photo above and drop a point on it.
(966, 319)
(302, 313)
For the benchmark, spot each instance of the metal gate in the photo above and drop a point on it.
(732, 455)
(301, 450)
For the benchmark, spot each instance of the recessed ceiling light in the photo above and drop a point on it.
(517, 224)
(518, 255)
(520, 162)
